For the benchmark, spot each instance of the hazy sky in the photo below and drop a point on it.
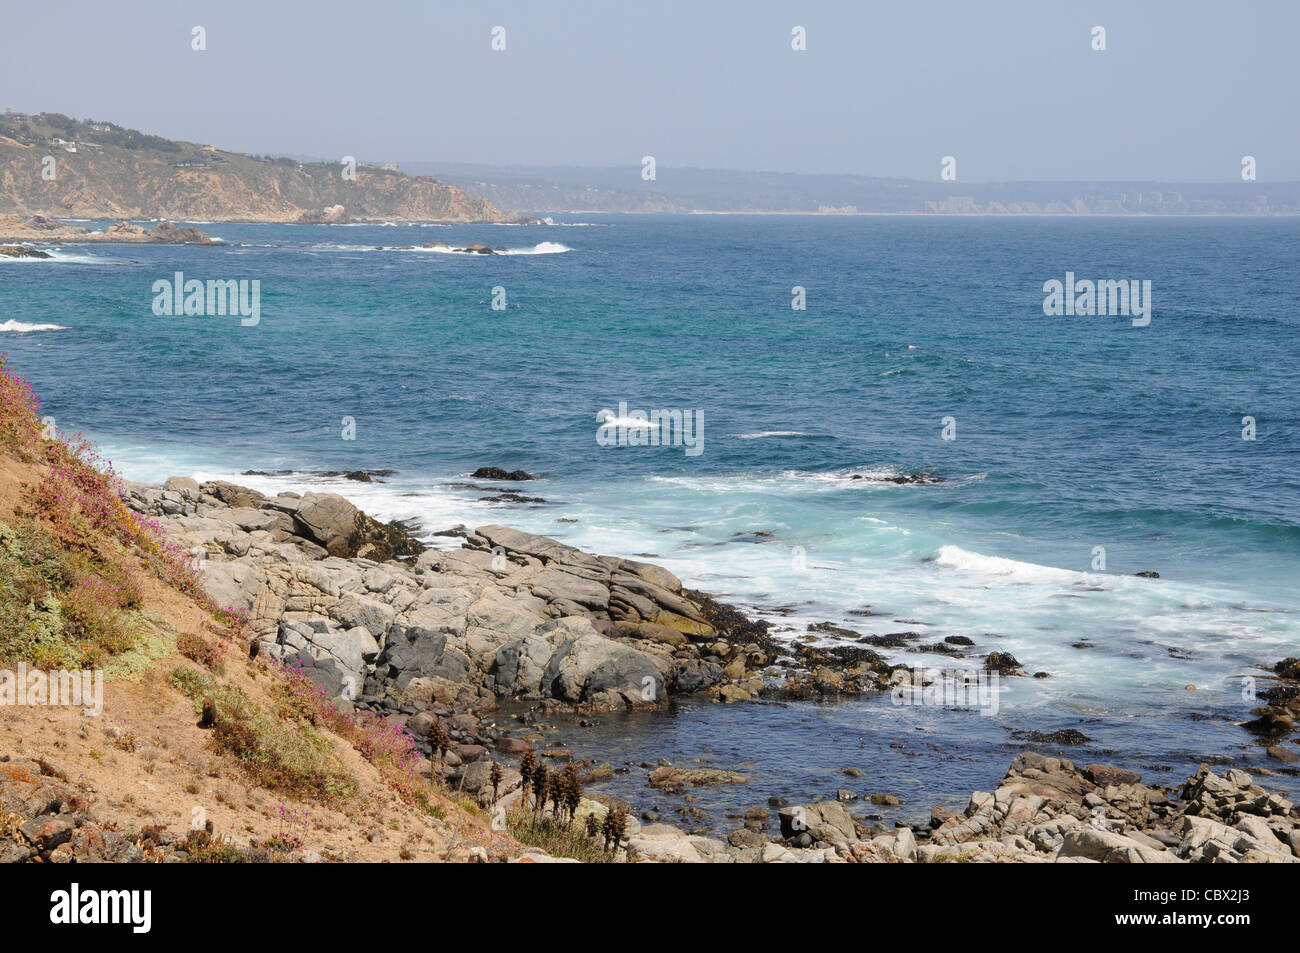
(1013, 90)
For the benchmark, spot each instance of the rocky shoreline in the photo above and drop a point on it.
(42, 229)
(385, 624)
(444, 641)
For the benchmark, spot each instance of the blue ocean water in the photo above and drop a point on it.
(1072, 433)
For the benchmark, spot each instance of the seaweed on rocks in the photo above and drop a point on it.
(830, 628)
(734, 625)
(1069, 737)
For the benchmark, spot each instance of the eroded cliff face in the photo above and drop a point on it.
(205, 185)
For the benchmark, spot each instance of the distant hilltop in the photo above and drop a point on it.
(53, 165)
(544, 189)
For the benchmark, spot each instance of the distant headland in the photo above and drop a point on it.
(61, 167)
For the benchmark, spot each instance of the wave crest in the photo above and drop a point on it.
(22, 327)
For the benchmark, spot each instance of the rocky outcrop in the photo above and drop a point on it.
(496, 473)
(164, 233)
(48, 823)
(22, 251)
(1275, 720)
(381, 622)
(39, 228)
(1047, 809)
(330, 215)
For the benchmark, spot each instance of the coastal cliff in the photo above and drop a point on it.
(60, 167)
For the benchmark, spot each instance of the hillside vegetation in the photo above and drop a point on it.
(202, 751)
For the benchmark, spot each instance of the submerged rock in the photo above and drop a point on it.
(1069, 737)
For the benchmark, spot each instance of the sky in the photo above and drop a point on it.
(1013, 90)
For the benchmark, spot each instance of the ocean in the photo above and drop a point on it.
(1084, 449)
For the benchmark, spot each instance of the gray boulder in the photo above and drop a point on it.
(827, 821)
(328, 519)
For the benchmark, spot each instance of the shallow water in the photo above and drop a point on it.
(923, 756)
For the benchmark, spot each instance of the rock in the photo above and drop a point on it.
(693, 675)
(185, 486)
(939, 814)
(1285, 755)
(1108, 847)
(1069, 737)
(675, 779)
(326, 672)
(167, 233)
(586, 665)
(46, 833)
(746, 838)
(905, 844)
(1104, 775)
(469, 753)
(329, 519)
(776, 854)
(232, 584)
(232, 494)
(827, 821)
(1004, 663)
(559, 585)
(343, 530)
(520, 665)
(420, 723)
(496, 473)
(733, 693)
(252, 520)
(534, 856)
(22, 251)
(651, 632)
(663, 844)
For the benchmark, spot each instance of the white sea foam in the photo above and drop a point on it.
(547, 220)
(954, 557)
(762, 434)
(541, 248)
(611, 419)
(60, 256)
(22, 327)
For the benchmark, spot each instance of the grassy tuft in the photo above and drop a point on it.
(292, 757)
(557, 838)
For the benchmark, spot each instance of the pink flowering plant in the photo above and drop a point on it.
(70, 574)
